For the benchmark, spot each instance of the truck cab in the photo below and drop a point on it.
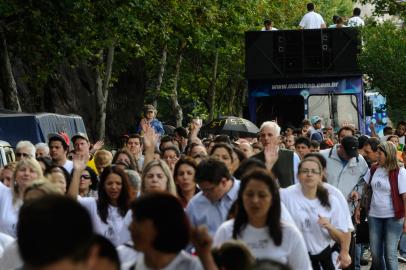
(6, 153)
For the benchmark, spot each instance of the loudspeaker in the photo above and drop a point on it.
(301, 53)
(259, 61)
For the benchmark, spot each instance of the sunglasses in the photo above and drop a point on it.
(22, 155)
(86, 177)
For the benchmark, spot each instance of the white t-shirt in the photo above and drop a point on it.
(381, 202)
(183, 261)
(11, 258)
(116, 229)
(8, 211)
(272, 29)
(68, 166)
(306, 212)
(127, 254)
(5, 240)
(355, 22)
(311, 20)
(335, 192)
(292, 251)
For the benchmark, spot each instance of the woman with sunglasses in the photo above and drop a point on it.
(88, 183)
(110, 211)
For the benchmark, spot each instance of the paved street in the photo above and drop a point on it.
(402, 266)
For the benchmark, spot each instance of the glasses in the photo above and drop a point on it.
(306, 171)
(84, 176)
(22, 155)
(207, 190)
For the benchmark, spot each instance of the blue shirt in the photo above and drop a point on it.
(156, 124)
(202, 211)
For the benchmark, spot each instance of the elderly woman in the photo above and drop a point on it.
(387, 211)
(11, 199)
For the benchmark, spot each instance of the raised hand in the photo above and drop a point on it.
(98, 145)
(201, 240)
(271, 154)
(150, 137)
(79, 162)
(324, 222)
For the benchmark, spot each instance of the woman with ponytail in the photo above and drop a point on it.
(317, 214)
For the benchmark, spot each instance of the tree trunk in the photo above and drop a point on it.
(243, 89)
(102, 91)
(7, 82)
(233, 95)
(212, 91)
(174, 95)
(162, 65)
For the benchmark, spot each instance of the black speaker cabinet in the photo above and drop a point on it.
(301, 53)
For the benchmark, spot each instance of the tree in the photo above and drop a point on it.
(383, 59)
(391, 7)
(46, 34)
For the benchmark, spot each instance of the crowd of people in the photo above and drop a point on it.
(280, 200)
(313, 20)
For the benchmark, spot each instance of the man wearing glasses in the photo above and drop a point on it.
(219, 190)
(24, 149)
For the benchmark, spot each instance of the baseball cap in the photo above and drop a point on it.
(350, 145)
(149, 108)
(79, 135)
(60, 136)
(315, 119)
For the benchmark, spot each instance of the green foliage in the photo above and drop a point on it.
(391, 7)
(47, 33)
(383, 59)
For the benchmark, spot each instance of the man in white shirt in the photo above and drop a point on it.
(355, 20)
(312, 20)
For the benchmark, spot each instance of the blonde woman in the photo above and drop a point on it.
(11, 199)
(39, 188)
(156, 176)
(102, 159)
(36, 189)
(387, 211)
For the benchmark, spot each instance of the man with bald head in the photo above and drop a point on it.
(282, 162)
